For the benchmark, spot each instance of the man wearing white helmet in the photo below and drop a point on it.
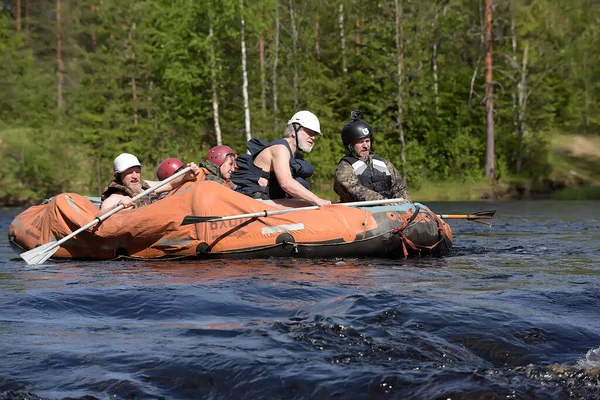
(276, 170)
(128, 183)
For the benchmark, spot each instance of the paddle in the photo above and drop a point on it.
(193, 219)
(480, 217)
(41, 253)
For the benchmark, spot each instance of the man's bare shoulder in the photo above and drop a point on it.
(279, 151)
(268, 156)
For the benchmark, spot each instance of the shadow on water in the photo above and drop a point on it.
(511, 313)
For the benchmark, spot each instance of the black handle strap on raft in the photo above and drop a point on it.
(411, 219)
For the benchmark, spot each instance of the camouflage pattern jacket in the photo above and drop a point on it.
(349, 188)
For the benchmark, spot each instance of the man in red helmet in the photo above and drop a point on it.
(220, 163)
(128, 182)
(168, 167)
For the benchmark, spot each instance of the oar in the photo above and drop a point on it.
(480, 217)
(193, 219)
(41, 253)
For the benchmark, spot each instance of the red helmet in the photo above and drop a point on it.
(218, 154)
(168, 167)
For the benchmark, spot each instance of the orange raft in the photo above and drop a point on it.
(155, 231)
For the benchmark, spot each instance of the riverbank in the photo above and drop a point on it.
(574, 174)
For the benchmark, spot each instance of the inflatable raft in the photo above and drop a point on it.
(156, 231)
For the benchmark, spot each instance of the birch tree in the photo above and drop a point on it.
(245, 73)
(263, 69)
(399, 76)
(60, 71)
(275, 63)
(434, 57)
(130, 55)
(342, 38)
(213, 84)
(489, 93)
(295, 34)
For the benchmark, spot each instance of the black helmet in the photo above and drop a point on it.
(355, 130)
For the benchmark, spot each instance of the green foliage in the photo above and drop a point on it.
(137, 78)
(37, 165)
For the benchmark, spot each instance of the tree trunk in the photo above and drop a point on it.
(93, 27)
(586, 99)
(99, 182)
(275, 61)
(434, 56)
(317, 47)
(515, 92)
(149, 112)
(399, 23)
(342, 38)
(586, 104)
(481, 46)
(473, 78)
(294, 54)
(18, 16)
(131, 57)
(245, 74)
(522, 106)
(489, 92)
(513, 32)
(213, 84)
(27, 40)
(357, 37)
(263, 69)
(59, 60)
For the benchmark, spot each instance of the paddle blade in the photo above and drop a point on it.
(40, 254)
(482, 217)
(194, 219)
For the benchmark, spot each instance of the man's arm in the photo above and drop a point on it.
(347, 186)
(399, 188)
(112, 202)
(281, 168)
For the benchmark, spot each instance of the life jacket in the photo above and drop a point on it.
(114, 187)
(376, 177)
(247, 175)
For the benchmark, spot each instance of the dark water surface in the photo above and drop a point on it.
(513, 312)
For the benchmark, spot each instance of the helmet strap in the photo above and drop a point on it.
(297, 128)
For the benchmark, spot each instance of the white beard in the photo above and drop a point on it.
(305, 147)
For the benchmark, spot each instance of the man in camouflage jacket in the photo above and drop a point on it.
(362, 175)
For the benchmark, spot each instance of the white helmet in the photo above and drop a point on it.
(306, 119)
(125, 161)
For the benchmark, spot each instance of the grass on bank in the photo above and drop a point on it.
(574, 162)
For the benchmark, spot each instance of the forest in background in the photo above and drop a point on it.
(83, 81)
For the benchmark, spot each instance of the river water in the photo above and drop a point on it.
(512, 312)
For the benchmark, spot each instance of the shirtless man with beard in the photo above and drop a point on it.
(276, 170)
(128, 183)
